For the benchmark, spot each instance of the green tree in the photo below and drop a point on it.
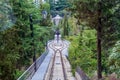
(16, 50)
(83, 55)
(6, 15)
(64, 25)
(9, 53)
(57, 6)
(100, 15)
(114, 59)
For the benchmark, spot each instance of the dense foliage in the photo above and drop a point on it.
(87, 11)
(57, 6)
(83, 53)
(15, 40)
(101, 15)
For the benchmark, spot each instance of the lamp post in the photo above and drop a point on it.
(32, 36)
(44, 14)
(46, 47)
(33, 45)
(56, 21)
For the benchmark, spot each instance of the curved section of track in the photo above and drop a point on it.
(56, 69)
(57, 46)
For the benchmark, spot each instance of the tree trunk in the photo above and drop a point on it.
(99, 52)
(99, 66)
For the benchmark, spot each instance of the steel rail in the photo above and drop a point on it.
(63, 67)
(61, 58)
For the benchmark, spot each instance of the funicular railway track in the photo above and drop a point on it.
(55, 65)
(57, 69)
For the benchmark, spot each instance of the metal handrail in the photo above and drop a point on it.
(28, 74)
(81, 74)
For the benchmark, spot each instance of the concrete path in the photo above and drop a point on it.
(40, 73)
